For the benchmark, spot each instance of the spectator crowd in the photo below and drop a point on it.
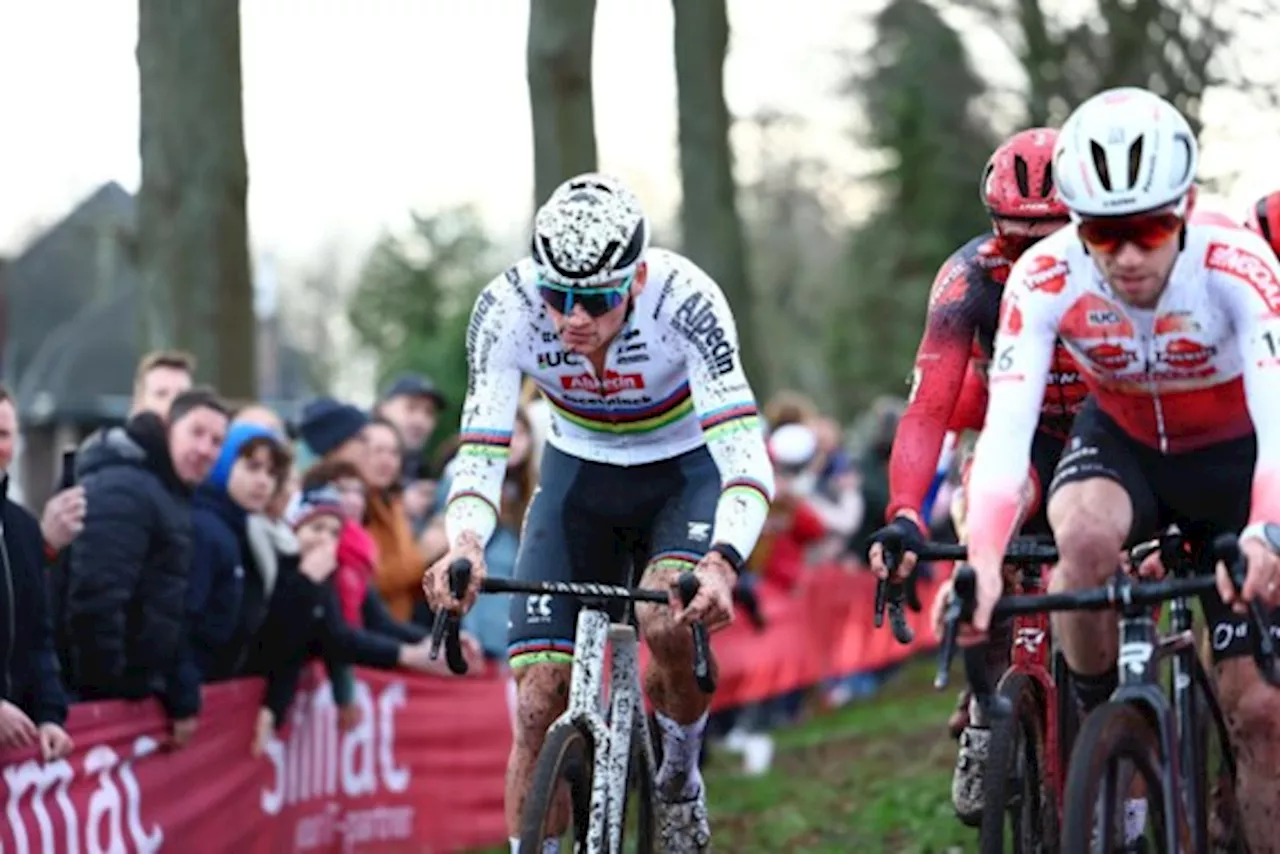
(199, 542)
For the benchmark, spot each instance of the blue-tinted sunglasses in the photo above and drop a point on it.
(594, 301)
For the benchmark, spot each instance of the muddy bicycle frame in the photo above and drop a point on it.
(616, 733)
(1142, 649)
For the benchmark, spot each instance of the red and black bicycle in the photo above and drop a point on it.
(1026, 767)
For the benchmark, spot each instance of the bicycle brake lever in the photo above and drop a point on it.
(1227, 549)
(445, 623)
(439, 626)
(453, 650)
(688, 587)
(902, 632)
(964, 587)
(890, 558)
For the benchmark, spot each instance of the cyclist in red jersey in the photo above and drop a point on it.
(949, 382)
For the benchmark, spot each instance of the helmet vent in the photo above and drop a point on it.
(1046, 186)
(1187, 156)
(1100, 165)
(1021, 176)
(587, 271)
(1135, 161)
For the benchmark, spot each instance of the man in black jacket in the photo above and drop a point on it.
(127, 574)
(33, 705)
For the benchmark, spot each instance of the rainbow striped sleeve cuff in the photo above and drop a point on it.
(539, 651)
(747, 487)
(728, 420)
(469, 510)
(492, 444)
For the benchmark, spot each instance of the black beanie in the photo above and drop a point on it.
(326, 424)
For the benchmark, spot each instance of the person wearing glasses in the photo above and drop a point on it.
(655, 459)
(949, 393)
(1175, 323)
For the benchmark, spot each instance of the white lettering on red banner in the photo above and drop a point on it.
(112, 817)
(390, 784)
(318, 763)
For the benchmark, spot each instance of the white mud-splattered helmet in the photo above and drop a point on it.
(591, 231)
(1124, 151)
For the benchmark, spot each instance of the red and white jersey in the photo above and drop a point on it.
(1200, 368)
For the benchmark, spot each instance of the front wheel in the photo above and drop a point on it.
(1117, 757)
(1020, 807)
(561, 785)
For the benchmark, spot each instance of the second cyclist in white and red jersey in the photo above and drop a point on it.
(1175, 325)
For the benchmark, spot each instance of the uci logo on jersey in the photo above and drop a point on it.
(556, 358)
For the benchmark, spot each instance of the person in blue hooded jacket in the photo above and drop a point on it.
(219, 615)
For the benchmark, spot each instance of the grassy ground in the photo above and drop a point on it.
(873, 777)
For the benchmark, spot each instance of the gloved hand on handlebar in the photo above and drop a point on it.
(1262, 582)
(435, 581)
(990, 587)
(905, 535)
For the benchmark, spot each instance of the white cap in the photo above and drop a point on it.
(792, 445)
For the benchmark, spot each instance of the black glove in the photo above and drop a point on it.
(898, 537)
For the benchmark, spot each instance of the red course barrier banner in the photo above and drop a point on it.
(422, 771)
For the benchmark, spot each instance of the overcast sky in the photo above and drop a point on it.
(357, 112)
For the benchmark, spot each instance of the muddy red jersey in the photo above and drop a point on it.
(948, 390)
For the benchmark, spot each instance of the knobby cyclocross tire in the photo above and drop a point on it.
(1017, 800)
(1221, 830)
(1111, 733)
(567, 756)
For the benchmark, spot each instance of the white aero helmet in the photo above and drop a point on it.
(589, 232)
(1124, 151)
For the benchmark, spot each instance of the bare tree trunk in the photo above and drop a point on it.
(559, 60)
(712, 229)
(192, 224)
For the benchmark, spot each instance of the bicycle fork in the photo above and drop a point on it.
(1183, 697)
(626, 726)
(586, 686)
(1141, 649)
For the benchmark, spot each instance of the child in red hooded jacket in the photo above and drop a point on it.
(361, 604)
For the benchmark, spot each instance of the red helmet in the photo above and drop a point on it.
(1264, 218)
(1018, 180)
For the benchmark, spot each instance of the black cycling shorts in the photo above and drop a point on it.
(591, 521)
(1046, 449)
(1205, 492)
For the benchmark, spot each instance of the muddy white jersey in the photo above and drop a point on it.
(1200, 368)
(673, 382)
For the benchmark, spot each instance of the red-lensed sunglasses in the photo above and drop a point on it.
(1146, 231)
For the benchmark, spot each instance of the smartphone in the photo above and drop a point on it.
(68, 478)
